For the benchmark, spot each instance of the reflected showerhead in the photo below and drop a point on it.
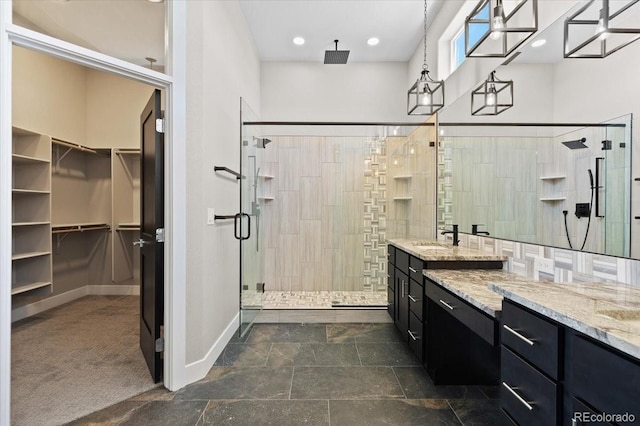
(336, 56)
(577, 144)
(261, 142)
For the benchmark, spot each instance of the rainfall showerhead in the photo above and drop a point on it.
(336, 56)
(577, 144)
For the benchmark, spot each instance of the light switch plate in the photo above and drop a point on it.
(211, 216)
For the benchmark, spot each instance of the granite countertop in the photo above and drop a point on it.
(608, 312)
(437, 250)
(471, 285)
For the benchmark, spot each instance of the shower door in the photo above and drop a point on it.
(251, 247)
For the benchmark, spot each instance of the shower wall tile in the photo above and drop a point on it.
(310, 154)
(310, 235)
(332, 227)
(333, 181)
(289, 256)
(290, 168)
(289, 216)
(332, 150)
(311, 198)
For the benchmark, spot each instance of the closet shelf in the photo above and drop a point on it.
(266, 176)
(266, 198)
(23, 288)
(28, 191)
(29, 223)
(79, 227)
(557, 177)
(128, 227)
(78, 147)
(402, 198)
(126, 151)
(403, 177)
(20, 256)
(553, 199)
(25, 159)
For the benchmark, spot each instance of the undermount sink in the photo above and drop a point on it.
(429, 247)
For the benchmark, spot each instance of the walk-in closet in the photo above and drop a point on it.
(76, 216)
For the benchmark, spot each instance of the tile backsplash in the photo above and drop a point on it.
(556, 264)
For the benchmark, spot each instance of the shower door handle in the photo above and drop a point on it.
(236, 219)
(597, 186)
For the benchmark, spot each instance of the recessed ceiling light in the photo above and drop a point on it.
(373, 41)
(298, 41)
(538, 43)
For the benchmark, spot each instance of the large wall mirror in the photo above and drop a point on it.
(554, 169)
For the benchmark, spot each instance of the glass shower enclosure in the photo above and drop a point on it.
(252, 147)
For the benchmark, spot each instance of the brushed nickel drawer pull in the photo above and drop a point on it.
(413, 336)
(413, 299)
(447, 305)
(518, 335)
(412, 270)
(514, 393)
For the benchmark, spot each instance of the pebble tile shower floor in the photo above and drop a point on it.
(311, 374)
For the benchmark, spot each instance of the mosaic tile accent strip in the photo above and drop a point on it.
(375, 218)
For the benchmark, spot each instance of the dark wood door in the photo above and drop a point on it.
(152, 235)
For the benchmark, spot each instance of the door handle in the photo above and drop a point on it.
(413, 299)
(518, 335)
(236, 219)
(140, 242)
(447, 305)
(517, 396)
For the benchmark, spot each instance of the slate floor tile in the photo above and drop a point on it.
(392, 412)
(157, 413)
(244, 354)
(313, 354)
(477, 412)
(290, 333)
(363, 333)
(344, 383)
(388, 354)
(276, 413)
(240, 383)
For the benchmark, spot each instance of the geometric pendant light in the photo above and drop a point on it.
(600, 28)
(426, 96)
(495, 29)
(492, 97)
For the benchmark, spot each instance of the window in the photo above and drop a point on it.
(477, 31)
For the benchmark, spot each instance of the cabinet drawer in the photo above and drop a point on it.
(391, 254)
(604, 379)
(415, 269)
(532, 337)
(582, 414)
(527, 395)
(391, 276)
(402, 261)
(480, 323)
(416, 299)
(416, 330)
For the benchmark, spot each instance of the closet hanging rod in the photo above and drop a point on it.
(73, 146)
(224, 216)
(65, 229)
(228, 170)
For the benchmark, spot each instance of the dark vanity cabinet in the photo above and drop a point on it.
(463, 340)
(554, 375)
(407, 297)
(391, 281)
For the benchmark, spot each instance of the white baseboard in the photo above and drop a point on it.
(48, 303)
(114, 290)
(198, 369)
(89, 290)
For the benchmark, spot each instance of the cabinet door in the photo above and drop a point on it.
(391, 292)
(402, 306)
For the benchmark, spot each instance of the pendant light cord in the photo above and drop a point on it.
(424, 58)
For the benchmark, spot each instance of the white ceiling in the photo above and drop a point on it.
(133, 29)
(397, 23)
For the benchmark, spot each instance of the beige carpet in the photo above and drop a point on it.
(75, 359)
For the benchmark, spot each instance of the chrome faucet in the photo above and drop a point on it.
(474, 230)
(455, 234)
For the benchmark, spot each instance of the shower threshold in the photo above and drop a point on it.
(317, 300)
